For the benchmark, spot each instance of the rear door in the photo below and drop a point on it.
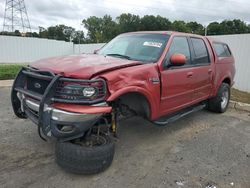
(177, 81)
(202, 69)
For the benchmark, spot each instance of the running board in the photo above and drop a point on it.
(171, 118)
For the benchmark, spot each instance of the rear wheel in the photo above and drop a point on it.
(89, 155)
(220, 102)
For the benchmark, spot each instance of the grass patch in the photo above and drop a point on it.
(240, 96)
(9, 71)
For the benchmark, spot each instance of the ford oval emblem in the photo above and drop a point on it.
(37, 85)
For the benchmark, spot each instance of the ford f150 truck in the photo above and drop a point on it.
(160, 76)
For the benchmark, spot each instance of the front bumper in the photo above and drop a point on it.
(62, 121)
(59, 123)
(61, 115)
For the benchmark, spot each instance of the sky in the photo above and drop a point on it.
(46, 13)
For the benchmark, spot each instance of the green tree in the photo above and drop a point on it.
(15, 33)
(103, 29)
(43, 33)
(128, 23)
(180, 26)
(32, 34)
(195, 28)
(78, 37)
(214, 28)
(93, 25)
(234, 27)
(109, 28)
(58, 32)
(100, 29)
(154, 23)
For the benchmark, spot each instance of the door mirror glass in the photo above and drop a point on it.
(178, 60)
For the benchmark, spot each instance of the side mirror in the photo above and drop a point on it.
(178, 59)
(95, 51)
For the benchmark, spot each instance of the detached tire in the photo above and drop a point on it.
(220, 102)
(81, 159)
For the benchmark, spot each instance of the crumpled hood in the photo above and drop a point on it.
(82, 66)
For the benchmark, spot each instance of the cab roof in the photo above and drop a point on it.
(163, 32)
(212, 40)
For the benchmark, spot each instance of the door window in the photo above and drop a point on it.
(200, 51)
(221, 50)
(179, 45)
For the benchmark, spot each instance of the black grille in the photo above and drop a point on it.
(62, 93)
(37, 85)
(38, 81)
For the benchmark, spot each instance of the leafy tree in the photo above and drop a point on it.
(60, 32)
(32, 34)
(214, 28)
(93, 25)
(150, 22)
(100, 29)
(233, 27)
(43, 33)
(109, 28)
(180, 26)
(195, 28)
(78, 37)
(128, 23)
(103, 29)
(15, 33)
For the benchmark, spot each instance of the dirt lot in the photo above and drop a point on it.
(200, 150)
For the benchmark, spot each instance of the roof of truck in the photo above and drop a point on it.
(211, 39)
(164, 32)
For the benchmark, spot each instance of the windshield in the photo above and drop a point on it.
(140, 47)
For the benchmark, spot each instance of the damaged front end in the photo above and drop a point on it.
(63, 108)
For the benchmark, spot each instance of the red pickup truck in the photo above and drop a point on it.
(160, 76)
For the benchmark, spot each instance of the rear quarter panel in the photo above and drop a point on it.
(225, 68)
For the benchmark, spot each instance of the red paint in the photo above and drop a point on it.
(82, 109)
(177, 88)
(178, 59)
(133, 79)
(82, 66)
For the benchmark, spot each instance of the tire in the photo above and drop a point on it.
(220, 102)
(80, 159)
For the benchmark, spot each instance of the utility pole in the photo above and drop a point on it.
(16, 17)
(206, 30)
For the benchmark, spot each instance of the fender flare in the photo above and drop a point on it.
(221, 81)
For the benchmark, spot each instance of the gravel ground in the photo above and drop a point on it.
(201, 150)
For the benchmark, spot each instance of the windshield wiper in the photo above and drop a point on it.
(120, 55)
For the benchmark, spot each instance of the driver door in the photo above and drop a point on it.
(177, 81)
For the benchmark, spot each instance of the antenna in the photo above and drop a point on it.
(16, 17)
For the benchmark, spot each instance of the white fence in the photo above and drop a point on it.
(240, 46)
(25, 50)
(87, 48)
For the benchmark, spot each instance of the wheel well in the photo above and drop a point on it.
(227, 80)
(136, 102)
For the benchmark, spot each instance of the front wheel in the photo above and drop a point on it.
(220, 102)
(89, 155)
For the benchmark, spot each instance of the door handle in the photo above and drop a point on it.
(210, 71)
(190, 74)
